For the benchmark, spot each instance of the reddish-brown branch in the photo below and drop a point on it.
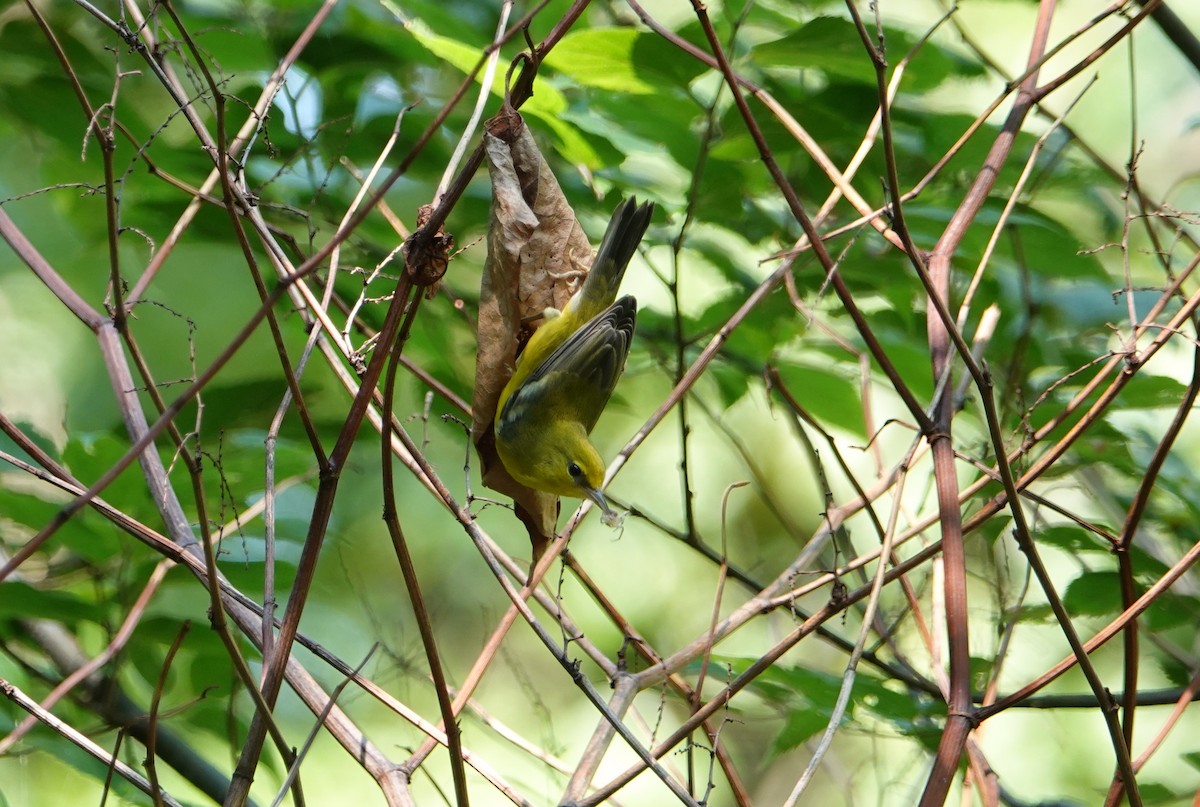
(409, 572)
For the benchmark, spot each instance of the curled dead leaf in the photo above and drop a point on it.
(537, 255)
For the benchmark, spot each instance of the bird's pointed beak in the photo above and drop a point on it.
(597, 496)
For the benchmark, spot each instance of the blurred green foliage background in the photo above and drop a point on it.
(617, 109)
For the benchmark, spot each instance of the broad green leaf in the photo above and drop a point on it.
(732, 382)
(1177, 672)
(1171, 610)
(31, 432)
(1151, 392)
(981, 672)
(602, 58)
(781, 683)
(1037, 614)
(247, 549)
(799, 726)
(1071, 539)
(458, 54)
(1159, 793)
(830, 392)
(90, 456)
(22, 600)
(1094, 594)
(833, 46)
(829, 44)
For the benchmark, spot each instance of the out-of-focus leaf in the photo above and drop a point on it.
(828, 44)
(808, 696)
(1158, 793)
(30, 431)
(732, 381)
(22, 600)
(779, 683)
(1071, 539)
(832, 45)
(828, 392)
(74, 757)
(1172, 610)
(773, 322)
(246, 549)
(1102, 445)
(90, 456)
(292, 458)
(1094, 594)
(452, 51)
(1044, 241)
(799, 726)
(201, 669)
(622, 60)
(1151, 392)
(1177, 672)
(602, 58)
(20, 506)
(93, 539)
(1037, 614)
(981, 671)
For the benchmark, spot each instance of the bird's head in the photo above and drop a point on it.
(574, 468)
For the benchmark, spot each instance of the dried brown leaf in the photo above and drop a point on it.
(537, 255)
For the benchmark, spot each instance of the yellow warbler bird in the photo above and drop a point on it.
(567, 373)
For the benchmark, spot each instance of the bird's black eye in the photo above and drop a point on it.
(574, 470)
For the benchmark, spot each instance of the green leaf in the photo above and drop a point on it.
(833, 46)
(1158, 793)
(601, 58)
(781, 684)
(981, 672)
(828, 391)
(1171, 610)
(90, 456)
(22, 600)
(31, 431)
(1071, 539)
(1094, 594)
(772, 324)
(1037, 614)
(829, 44)
(1150, 391)
(799, 725)
(732, 382)
(458, 54)
(253, 549)
(808, 697)
(1177, 672)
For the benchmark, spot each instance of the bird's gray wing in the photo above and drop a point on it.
(578, 378)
